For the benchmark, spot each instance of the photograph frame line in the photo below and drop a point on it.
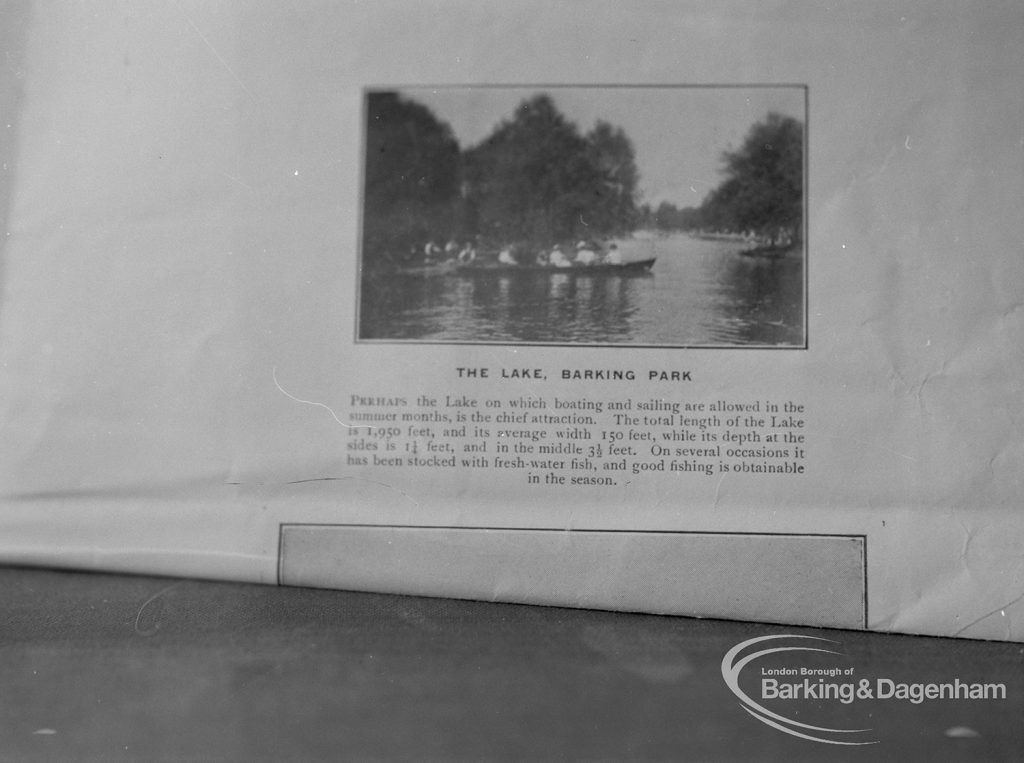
(799, 328)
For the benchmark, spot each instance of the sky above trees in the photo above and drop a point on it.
(678, 133)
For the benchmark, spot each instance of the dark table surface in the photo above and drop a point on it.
(110, 667)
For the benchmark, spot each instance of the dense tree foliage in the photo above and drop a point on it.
(761, 190)
(668, 217)
(537, 178)
(534, 179)
(412, 175)
(763, 186)
(614, 198)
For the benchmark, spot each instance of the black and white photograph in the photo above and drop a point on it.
(639, 216)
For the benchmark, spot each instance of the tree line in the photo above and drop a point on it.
(537, 179)
(761, 191)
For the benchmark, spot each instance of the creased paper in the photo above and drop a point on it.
(181, 350)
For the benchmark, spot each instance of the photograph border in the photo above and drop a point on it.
(368, 88)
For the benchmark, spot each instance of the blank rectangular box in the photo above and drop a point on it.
(817, 580)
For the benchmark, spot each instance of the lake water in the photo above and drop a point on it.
(699, 293)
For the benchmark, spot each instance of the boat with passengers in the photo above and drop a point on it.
(588, 260)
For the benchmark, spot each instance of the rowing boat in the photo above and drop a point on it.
(636, 267)
(451, 267)
(436, 269)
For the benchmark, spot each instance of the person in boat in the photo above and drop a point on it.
(505, 257)
(613, 256)
(451, 250)
(557, 258)
(585, 256)
(468, 254)
(431, 252)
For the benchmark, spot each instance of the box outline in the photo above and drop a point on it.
(862, 537)
(805, 255)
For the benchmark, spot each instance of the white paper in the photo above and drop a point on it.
(178, 334)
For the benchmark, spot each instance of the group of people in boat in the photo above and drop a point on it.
(585, 254)
(433, 254)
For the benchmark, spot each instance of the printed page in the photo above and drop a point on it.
(707, 309)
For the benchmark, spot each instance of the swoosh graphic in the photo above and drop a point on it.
(731, 669)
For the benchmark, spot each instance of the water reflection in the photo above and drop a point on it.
(700, 293)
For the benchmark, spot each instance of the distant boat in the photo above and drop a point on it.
(720, 236)
(767, 252)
